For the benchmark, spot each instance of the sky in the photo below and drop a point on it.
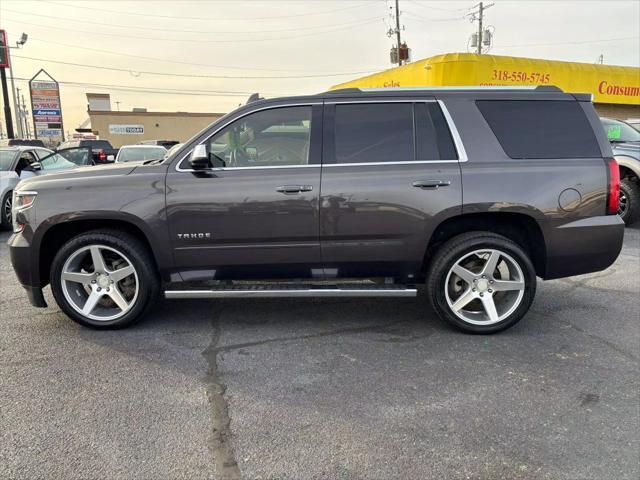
(209, 55)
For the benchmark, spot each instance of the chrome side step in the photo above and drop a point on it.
(246, 291)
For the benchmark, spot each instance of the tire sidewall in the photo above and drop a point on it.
(440, 273)
(147, 288)
(630, 190)
(5, 222)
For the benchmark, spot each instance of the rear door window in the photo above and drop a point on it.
(374, 132)
(540, 128)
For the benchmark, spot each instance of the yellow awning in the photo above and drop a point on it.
(608, 84)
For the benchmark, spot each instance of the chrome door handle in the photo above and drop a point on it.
(431, 184)
(293, 189)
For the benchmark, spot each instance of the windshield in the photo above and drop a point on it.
(56, 161)
(6, 159)
(618, 131)
(134, 154)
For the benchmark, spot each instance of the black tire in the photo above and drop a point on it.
(457, 248)
(5, 217)
(630, 191)
(135, 251)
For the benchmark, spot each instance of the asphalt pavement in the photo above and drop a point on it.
(327, 388)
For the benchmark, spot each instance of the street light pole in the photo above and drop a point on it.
(16, 106)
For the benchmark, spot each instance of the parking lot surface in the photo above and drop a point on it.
(322, 388)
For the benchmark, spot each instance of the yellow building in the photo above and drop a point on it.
(616, 90)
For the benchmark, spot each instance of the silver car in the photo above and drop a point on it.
(20, 162)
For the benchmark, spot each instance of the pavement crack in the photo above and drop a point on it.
(368, 328)
(221, 447)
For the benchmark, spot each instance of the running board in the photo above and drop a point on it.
(270, 292)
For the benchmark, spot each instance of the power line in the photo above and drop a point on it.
(179, 62)
(431, 7)
(169, 30)
(217, 19)
(569, 43)
(199, 41)
(168, 91)
(169, 74)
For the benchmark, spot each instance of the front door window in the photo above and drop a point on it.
(278, 137)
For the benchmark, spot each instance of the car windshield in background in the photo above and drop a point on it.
(618, 131)
(135, 154)
(6, 159)
(56, 161)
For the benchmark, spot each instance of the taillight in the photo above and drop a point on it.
(613, 188)
(102, 156)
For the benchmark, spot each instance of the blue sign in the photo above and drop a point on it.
(46, 112)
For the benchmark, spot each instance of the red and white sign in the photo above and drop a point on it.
(45, 105)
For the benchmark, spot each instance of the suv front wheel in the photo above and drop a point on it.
(481, 282)
(104, 279)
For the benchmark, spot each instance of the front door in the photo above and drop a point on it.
(390, 175)
(254, 214)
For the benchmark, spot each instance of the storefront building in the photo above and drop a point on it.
(615, 89)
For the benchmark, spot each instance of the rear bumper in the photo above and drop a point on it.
(583, 246)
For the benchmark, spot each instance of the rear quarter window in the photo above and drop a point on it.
(540, 128)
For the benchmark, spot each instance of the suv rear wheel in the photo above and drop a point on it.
(629, 206)
(481, 282)
(104, 279)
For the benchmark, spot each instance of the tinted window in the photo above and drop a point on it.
(433, 139)
(374, 132)
(275, 137)
(540, 128)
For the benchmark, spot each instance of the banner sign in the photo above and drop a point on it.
(46, 109)
(116, 129)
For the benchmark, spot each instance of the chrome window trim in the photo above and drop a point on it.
(404, 162)
(224, 125)
(455, 134)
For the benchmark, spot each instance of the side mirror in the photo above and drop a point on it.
(199, 159)
(35, 166)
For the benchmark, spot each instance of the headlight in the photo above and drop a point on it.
(22, 200)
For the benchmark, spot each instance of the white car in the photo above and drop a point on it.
(136, 153)
(20, 162)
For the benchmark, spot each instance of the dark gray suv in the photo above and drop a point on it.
(473, 191)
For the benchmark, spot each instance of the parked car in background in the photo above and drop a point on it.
(136, 153)
(14, 142)
(18, 163)
(165, 143)
(347, 193)
(101, 150)
(174, 149)
(625, 143)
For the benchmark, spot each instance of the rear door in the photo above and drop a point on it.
(390, 175)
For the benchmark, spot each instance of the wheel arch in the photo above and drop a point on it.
(518, 227)
(629, 167)
(58, 233)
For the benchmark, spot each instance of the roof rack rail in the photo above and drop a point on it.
(548, 88)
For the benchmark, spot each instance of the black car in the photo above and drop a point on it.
(474, 192)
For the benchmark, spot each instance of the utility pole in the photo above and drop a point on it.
(7, 107)
(16, 106)
(398, 32)
(27, 129)
(479, 15)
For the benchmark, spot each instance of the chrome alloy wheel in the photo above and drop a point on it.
(622, 203)
(100, 282)
(484, 287)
